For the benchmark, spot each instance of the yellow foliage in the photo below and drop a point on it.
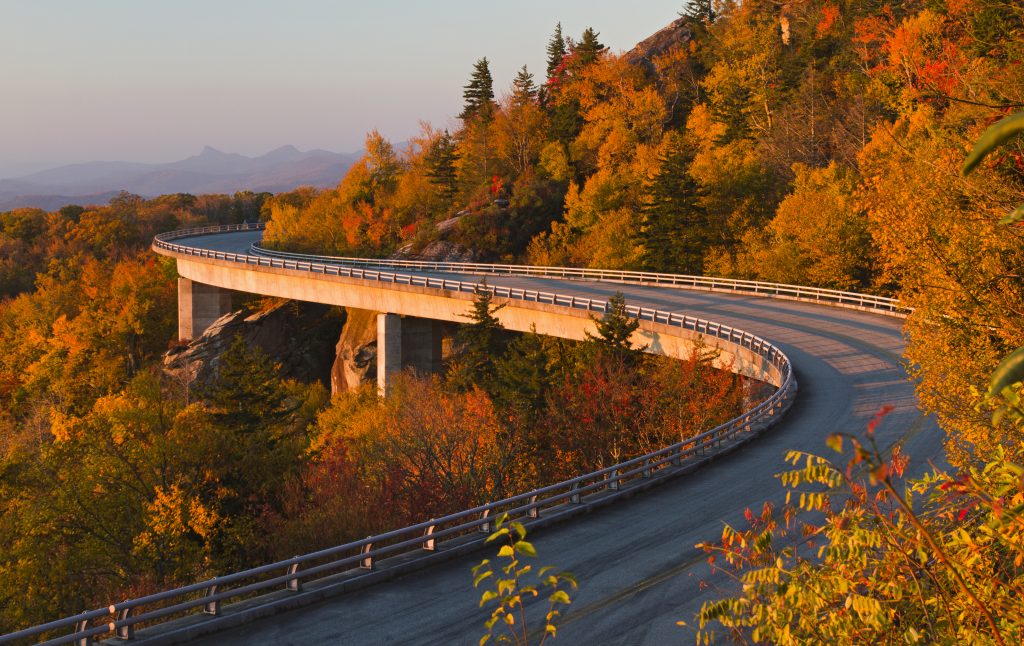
(939, 238)
(818, 236)
(555, 162)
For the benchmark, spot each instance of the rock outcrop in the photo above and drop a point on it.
(299, 336)
(436, 250)
(678, 32)
(356, 350)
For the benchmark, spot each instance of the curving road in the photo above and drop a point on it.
(635, 560)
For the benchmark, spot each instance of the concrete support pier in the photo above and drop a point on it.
(406, 342)
(389, 349)
(199, 306)
(421, 345)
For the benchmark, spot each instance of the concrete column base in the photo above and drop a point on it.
(199, 306)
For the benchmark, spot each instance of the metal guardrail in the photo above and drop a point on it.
(879, 304)
(121, 618)
(876, 304)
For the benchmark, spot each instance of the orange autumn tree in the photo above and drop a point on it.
(423, 451)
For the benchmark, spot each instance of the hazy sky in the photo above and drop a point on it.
(156, 80)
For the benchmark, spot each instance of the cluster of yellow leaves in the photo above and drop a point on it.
(509, 590)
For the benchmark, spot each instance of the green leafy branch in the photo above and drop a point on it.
(509, 591)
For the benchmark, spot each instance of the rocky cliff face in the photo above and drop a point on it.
(439, 251)
(299, 336)
(311, 342)
(356, 351)
(678, 32)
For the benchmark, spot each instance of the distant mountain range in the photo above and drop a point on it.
(211, 171)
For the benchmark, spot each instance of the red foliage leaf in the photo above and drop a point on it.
(829, 14)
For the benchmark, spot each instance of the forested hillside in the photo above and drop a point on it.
(816, 142)
(813, 142)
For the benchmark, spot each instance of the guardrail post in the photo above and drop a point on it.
(646, 473)
(295, 585)
(485, 527)
(81, 627)
(534, 511)
(613, 480)
(677, 457)
(367, 562)
(430, 544)
(125, 630)
(212, 607)
(574, 498)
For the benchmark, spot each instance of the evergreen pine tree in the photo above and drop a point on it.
(556, 51)
(587, 50)
(250, 407)
(614, 330)
(564, 115)
(674, 231)
(479, 92)
(699, 11)
(524, 374)
(441, 170)
(524, 91)
(480, 342)
(247, 394)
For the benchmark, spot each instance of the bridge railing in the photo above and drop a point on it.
(120, 618)
(877, 304)
(881, 304)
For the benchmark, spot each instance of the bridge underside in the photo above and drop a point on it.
(414, 339)
(403, 342)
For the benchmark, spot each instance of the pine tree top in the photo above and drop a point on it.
(615, 328)
(699, 11)
(480, 342)
(524, 90)
(440, 160)
(556, 50)
(588, 48)
(479, 92)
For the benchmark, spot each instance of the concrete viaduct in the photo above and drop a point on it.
(639, 570)
(408, 330)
